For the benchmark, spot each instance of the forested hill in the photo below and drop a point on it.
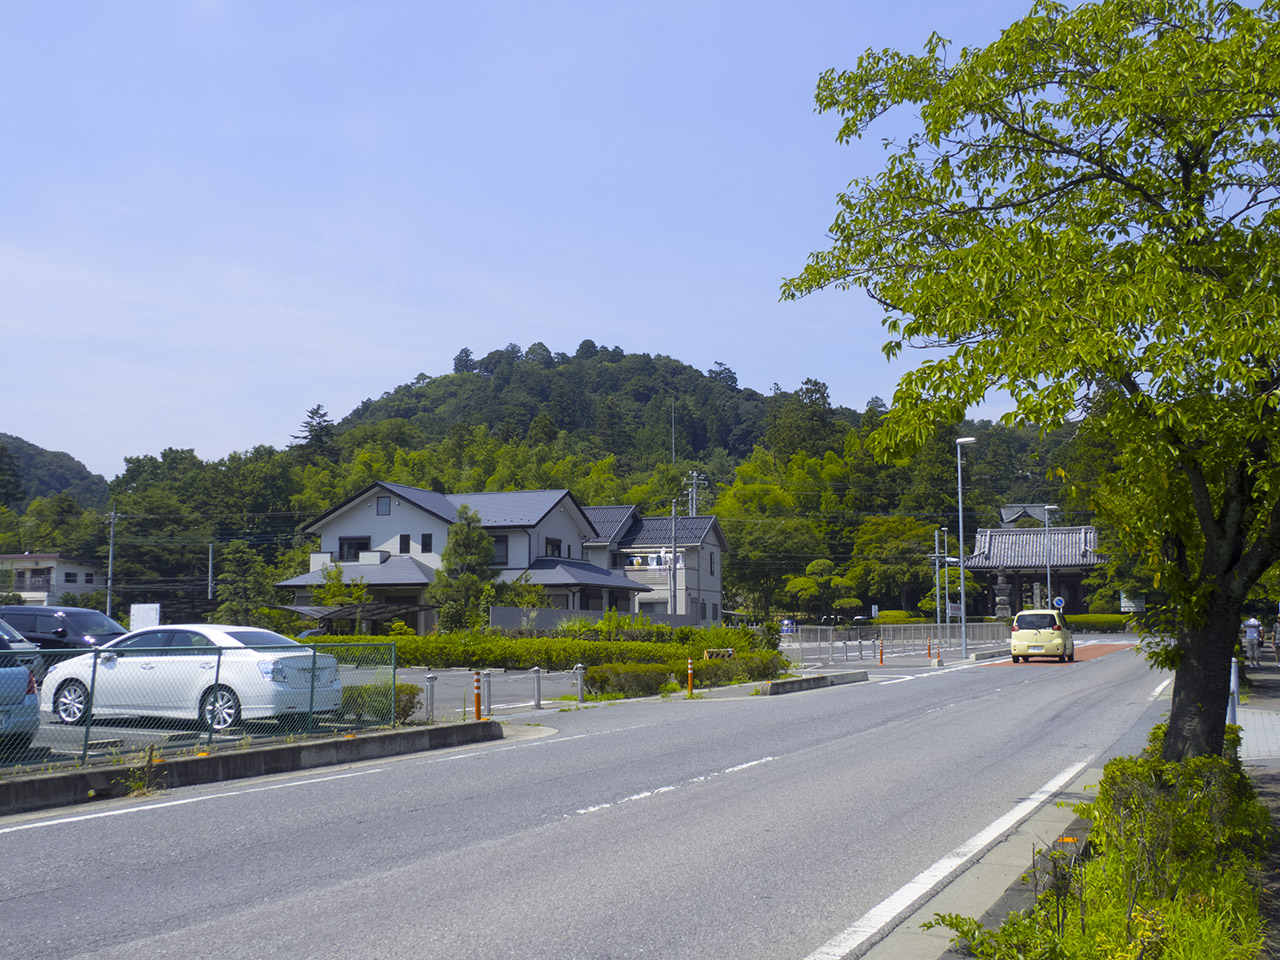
(612, 401)
(41, 473)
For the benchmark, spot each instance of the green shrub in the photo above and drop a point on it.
(380, 703)
(1098, 622)
(899, 616)
(648, 679)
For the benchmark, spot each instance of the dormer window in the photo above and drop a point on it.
(553, 547)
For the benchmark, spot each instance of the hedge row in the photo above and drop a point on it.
(1098, 622)
(648, 679)
(484, 652)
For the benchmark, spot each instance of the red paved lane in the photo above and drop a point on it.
(1090, 651)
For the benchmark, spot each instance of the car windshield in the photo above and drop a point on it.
(1036, 621)
(8, 633)
(92, 623)
(260, 638)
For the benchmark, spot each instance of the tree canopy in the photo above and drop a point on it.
(1085, 218)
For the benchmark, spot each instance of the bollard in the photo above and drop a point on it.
(1235, 690)
(537, 688)
(580, 670)
(477, 694)
(431, 697)
(929, 647)
(486, 693)
(881, 642)
(691, 676)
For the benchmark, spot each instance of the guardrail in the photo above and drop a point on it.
(837, 645)
(113, 702)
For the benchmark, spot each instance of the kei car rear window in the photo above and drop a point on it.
(1035, 621)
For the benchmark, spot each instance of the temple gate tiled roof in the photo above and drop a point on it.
(1023, 548)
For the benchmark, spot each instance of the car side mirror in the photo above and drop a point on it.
(110, 655)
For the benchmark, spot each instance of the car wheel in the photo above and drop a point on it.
(71, 702)
(1071, 657)
(1062, 658)
(1015, 658)
(220, 708)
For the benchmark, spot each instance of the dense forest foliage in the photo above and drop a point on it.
(814, 522)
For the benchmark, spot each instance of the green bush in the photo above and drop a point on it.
(1098, 622)
(1175, 848)
(647, 679)
(380, 703)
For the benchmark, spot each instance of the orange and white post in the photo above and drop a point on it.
(691, 676)
(477, 694)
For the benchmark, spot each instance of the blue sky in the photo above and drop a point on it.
(215, 215)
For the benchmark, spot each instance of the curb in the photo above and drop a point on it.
(795, 684)
(99, 782)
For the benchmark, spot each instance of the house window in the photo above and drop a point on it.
(349, 547)
(715, 612)
(70, 577)
(615, 560)
(712, 556)
(426, 543)
(88, 578)
(500, 550)
(553, 547)
(405, 540)
(384, 506)
(702, 610)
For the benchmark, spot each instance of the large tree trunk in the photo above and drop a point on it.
(1202, 686)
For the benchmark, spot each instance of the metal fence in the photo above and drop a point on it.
(60, 706)
(834, 644)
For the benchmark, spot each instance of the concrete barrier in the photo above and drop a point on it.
(989, 655)
(19, 794)
(812, 682)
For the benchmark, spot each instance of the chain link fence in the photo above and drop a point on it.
(74, 706)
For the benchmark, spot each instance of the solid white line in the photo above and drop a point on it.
(888, 910)
(1159, 690)
(178, 803)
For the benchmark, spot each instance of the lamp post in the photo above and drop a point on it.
(961, 442)
(1048, 581)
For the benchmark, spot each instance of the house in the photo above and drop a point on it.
(392, 536)
(43, 578)
(1014, 562)
(654, 551)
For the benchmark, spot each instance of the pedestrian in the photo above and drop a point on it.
(1253, 642)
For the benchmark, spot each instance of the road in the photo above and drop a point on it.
(731, 826)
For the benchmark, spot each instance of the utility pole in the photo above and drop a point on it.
(695, 481)
(111, 558)
(671, 567)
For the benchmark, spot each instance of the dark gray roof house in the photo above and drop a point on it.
(391, 536)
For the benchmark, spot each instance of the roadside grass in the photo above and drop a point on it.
(1177, 850)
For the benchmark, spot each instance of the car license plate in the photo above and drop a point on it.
(1036, 649)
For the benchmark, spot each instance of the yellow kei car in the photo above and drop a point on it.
(1041, 633)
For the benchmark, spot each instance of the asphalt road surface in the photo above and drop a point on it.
(734, 826)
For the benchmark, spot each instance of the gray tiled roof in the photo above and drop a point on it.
(656, 531)
(608, 521)
(397, 570)
(557, 572)
(1023, 548)
(510, 508)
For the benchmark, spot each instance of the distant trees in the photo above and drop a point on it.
(317, 437)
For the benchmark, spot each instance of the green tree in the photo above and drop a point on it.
(823, 592)
(11, 489)
(465, 573)
(317, 439)
(891, 560)
(1086, 219)
(245, 588)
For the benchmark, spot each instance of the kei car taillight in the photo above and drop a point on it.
(31, 683)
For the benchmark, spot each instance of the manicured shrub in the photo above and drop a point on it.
(1098, 622)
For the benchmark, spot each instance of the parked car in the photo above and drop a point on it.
(1041, 633)
(62, 628)
(28, 653)
(19, 704)
(214, 673)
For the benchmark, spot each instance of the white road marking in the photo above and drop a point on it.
(897, 904)
(178, 803)
(1160, 689)
(657, 791)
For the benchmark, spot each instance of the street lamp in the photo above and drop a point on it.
(960, 442)
(1048, 582)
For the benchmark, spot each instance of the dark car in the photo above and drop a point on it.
(62, 628)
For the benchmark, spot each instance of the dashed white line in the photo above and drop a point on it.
(657, 791)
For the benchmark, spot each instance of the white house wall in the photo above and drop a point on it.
(361, 519)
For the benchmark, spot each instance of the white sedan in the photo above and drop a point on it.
(218, 674)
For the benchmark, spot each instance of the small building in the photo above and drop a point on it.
(1014, 562)
(655, 550)
(43, 578)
